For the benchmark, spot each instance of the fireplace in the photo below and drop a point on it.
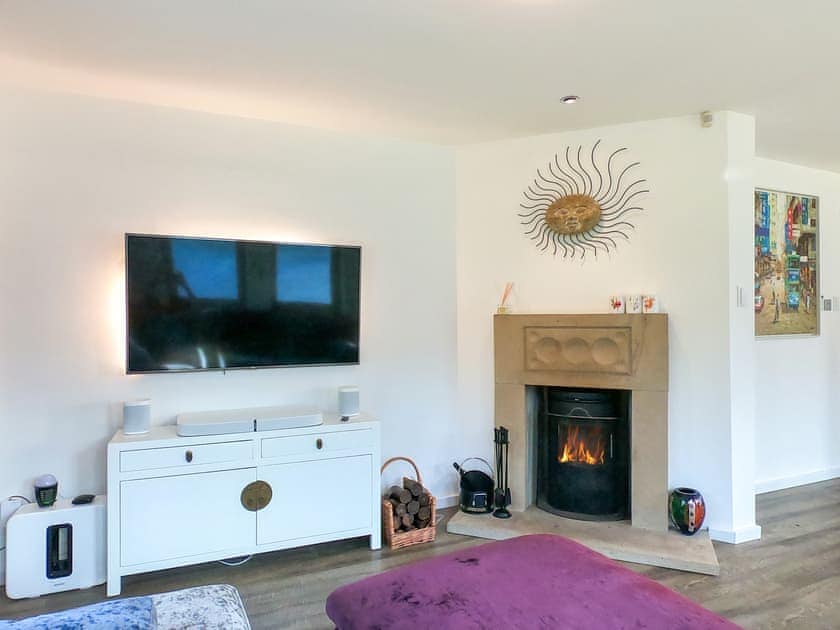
(625, 358)
(583, 464)
(623, 353)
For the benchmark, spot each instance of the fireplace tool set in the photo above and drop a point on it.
(479, 492)
(502, 495)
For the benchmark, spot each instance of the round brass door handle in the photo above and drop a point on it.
(188, 456)
(319, 444)
(256, 495)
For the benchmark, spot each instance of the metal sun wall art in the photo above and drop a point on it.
(577, 208)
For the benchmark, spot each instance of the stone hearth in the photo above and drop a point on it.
(616, 540)
(616, 352)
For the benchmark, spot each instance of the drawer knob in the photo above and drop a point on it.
(319, 444)
(188, 456)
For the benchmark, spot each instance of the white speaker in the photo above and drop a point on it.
(137, 416)
(57, 548)
(348, 402)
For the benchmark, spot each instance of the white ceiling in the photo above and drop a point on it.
(449, 71)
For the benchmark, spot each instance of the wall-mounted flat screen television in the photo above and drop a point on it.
(214, 304)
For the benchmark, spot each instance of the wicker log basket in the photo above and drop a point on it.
(399, 539)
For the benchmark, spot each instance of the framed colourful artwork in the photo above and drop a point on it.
(787, 296)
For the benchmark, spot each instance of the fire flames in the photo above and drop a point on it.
(579, 449)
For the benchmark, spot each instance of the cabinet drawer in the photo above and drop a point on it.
(316, 443)
(195, 455)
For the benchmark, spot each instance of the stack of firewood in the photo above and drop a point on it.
(411, 506)
(408, 511)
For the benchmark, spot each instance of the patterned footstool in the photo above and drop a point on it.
(214, 607)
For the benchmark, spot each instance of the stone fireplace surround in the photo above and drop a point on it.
(603, 351)
(628, 352)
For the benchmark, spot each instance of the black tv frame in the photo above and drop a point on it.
(236, 240)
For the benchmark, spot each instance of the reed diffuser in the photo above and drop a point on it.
(503, 307)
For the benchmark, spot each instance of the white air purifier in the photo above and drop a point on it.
(57, 548)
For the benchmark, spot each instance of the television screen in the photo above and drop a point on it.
(206, 304)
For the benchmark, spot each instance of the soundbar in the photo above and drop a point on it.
(247, 420)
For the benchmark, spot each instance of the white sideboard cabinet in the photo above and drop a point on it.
(175, 501)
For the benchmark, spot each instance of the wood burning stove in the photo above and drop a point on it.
(583, 445)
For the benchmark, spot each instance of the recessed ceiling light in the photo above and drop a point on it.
(571, 99)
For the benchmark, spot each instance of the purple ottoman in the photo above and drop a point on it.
(539, 581)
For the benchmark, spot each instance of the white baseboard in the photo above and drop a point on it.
(782, 483)
(451, 500)
(736, 536)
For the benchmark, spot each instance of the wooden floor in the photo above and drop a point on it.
(789, 579)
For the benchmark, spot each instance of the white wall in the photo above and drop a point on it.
(76, 173)
(797, 398)
(680, 251)
(740, 182)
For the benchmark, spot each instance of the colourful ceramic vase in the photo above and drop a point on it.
(687, 510)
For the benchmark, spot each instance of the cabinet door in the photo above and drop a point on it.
(186, 515)
(316, 498)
